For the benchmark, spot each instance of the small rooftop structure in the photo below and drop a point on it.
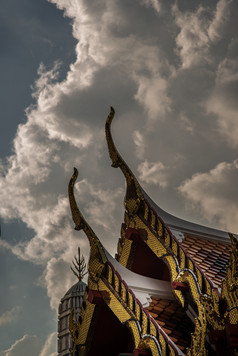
(71, 303)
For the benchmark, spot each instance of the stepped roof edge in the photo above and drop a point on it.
(135, 194)
(187, 227)
(142, 286)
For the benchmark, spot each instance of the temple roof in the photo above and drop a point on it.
(189, 260)
(142, 287)
(145, 319)
(211, 256)
(187, 227)
(207, 247)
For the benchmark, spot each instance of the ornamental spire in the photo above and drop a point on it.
(79, 264)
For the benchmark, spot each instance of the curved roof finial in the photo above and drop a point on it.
(134, 191)
(80, 222)
(98, 257)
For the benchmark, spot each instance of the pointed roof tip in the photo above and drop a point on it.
(110, 116)
(117, 160)
(79, 220)
(76, 172)
(72, 180)
(233, 237)
(76, 214)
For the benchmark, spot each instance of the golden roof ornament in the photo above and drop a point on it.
(79, 269)
(215, 314)
(134, 193)
(97, 252)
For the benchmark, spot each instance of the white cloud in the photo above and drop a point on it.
(214, 194)
(223, 100)
(221, 15)
(227, 71)
(102, 200)
(154, 4)
(139, 141)
(192, 40)
(198, 31)
(186, 123)
(58, 279)
(99, 47)
(51, 222)
(152, 94)
(153, 173)
(50, 346)
(28, 345)
(45, 115)
(9, 316)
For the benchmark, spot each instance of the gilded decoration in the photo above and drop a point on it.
(230, 284)
(215, 311)
(160, 239)
(107, 283)
(134, 194)
(79, 330)
(199, 336)
(98, 258)
(140, 215)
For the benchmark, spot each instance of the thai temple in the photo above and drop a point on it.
(172, 288)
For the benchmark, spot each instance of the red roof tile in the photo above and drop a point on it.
(212, 257)
(173, 320)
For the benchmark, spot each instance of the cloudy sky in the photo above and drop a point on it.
(169, 68)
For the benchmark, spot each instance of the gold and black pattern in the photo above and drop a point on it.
(79, 329)
(173, 246)
(197, 346)
(140, 215)
(133, 194)
(183, 269)
(137, 206)
(151, 336)
(103, 278)
(116, 294)
(230, 284)
(81, 223)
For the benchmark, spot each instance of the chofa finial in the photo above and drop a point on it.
(134, 192)
(80, 222)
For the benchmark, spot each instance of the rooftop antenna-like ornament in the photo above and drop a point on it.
(79, 269)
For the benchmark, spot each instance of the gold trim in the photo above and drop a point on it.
(230, 284)
(79, 330)
(97, 257)
(134, 193)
